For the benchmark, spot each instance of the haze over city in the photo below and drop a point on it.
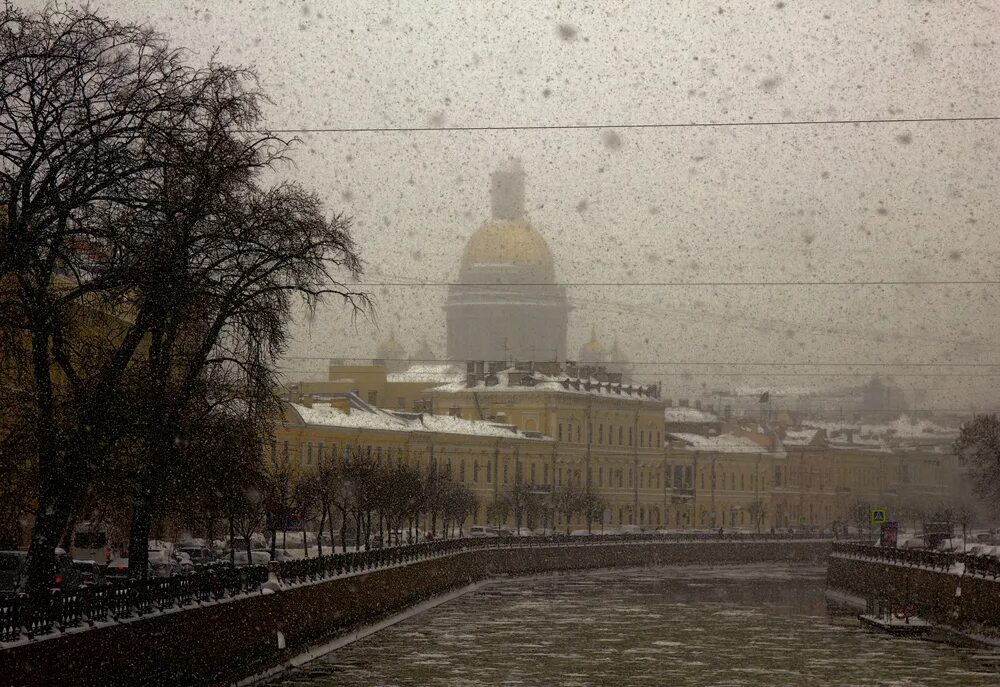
(866, 202)
(571, 343)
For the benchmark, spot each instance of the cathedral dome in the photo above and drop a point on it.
(593, 351)
(391, 350)
(509, 243)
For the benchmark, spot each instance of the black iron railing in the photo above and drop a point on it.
(24, 618)
(986, 566)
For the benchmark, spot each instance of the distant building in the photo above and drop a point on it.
(506, 304)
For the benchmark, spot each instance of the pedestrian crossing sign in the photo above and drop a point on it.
(878, 516)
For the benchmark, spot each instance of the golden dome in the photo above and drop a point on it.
(593, 350)
(507, 242)
(391, 349)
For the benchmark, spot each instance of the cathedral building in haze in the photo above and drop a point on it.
(506, 304)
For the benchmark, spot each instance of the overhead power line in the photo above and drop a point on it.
(909, 282)
(731, 363)
(652, 125)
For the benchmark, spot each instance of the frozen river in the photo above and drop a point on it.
(752, 625)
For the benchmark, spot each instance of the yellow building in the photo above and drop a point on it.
(732, 485)
(487, 457)
(606, 434)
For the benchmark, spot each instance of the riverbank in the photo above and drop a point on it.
(962, 608)
(225, 643)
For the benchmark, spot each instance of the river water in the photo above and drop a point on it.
(691, 625)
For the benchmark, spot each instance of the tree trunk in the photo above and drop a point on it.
(138, 543)
(55, 484)
(319, 532)
(232, 542)
(343, 531)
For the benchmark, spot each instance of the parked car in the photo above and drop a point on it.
(88, 572)
(283, 555)
(12, 569)
(477, 531)
(239, 557)
(198, 555)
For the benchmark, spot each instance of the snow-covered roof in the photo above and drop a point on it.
(681, 414)
(439, 373)
(721, 443)
(383, 420)
(512, 381)
(903, 427)
(801, 437)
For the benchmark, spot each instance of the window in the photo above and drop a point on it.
(475, 472)
(461, 471)
(532, 473)
(642, 439)
(285, 456)
(401, 403)
(600, 477)
(373, 398)
(559, 477)
(320, 455)
(309, 453)
(620, 434)
(631, 438)
(578, 434)
(455, 411)
(600, 434)
(545, 474)
(560, 431)
(505, 472)
(274, 452)
(489, 472)
(659, 442)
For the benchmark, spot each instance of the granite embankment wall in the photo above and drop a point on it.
(949, 597)
(223, 643)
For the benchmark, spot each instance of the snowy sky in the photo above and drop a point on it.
(846, 202)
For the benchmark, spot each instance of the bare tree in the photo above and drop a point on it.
(758, 513)
(978, 447)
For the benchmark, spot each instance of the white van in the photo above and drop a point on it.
(483, 531)
(90, 543)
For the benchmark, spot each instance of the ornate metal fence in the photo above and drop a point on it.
(24, 618)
